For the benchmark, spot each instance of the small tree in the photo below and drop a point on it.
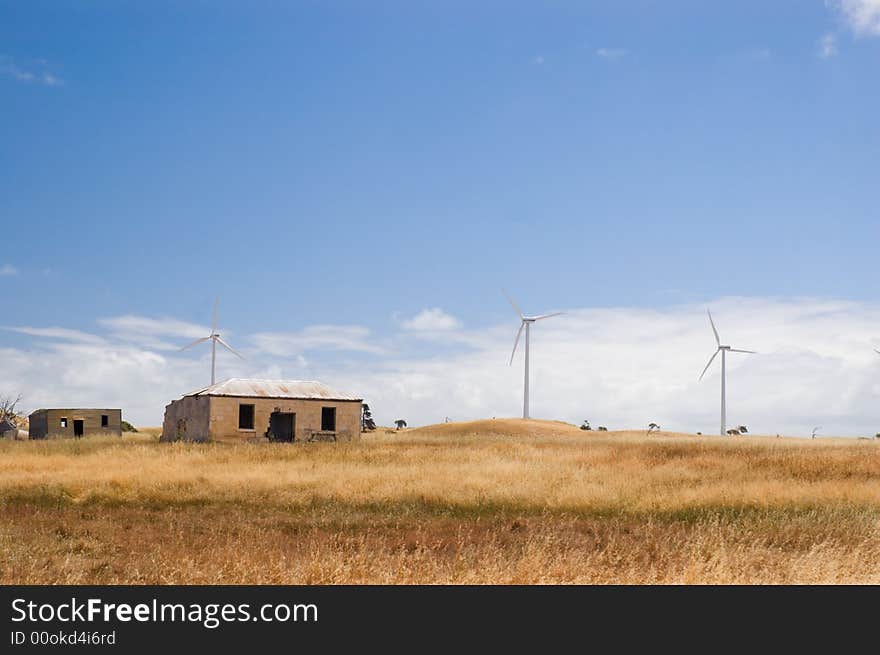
(367, 422)
(7, 407)
(653, 427)
(743, 429)
(400, 423)
(602, 428)
(586, 425)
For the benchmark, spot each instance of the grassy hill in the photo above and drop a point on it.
(500, 500)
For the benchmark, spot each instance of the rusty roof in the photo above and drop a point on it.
(292, 389)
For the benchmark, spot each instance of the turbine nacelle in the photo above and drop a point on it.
(214, 338)
(540, 317)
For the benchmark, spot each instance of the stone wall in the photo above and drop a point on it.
(187, 419)
(307, 426)
(47, 423)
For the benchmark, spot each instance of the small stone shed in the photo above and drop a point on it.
(52, 423)
(243, 409)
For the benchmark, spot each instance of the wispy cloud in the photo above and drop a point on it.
(612, 54)
(862, 16)
(8, 270)
(539, 59)
(354, 338)
(34, 73)
(827, 46)
(431, 320)
(149, 331)
(59, 333)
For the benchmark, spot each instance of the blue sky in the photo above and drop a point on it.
(334, 170)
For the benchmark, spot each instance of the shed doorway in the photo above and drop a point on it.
(281, 426)
(78, 430)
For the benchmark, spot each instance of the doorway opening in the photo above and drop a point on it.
(281, 426)
(328, 419)
(78, 427)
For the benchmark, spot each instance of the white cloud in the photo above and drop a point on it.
(626, 367)
(147, 331)
(827, 46)
(316, 337)
(612, 53)
(8, 270)
(620, 367)
(139, 381)
(58, 333)
(862, 16)
(70, 368)
(11, 69)
(431, 320)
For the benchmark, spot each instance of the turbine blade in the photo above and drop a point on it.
(737, 350)
(229, 348)
(711, 359)
(712, 323)
(513, 304)
(214, 324)
(194, 343)
(542, 316)
(516, 342)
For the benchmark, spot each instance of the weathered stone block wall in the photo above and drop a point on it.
(187, 419)
(47, 423)
(307, 426)
(38, 425)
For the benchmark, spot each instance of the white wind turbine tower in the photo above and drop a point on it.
(214, 337)
(723, 350)
(526, 323)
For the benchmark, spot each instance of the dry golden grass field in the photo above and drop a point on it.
(497, 501)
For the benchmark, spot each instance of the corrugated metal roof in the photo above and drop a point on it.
(76, 409)
(293, 389)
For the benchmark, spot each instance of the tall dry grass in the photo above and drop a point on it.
(492, 501)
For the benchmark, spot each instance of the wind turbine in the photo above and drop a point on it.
(214, 337)
(526, 323)
(723, 350)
